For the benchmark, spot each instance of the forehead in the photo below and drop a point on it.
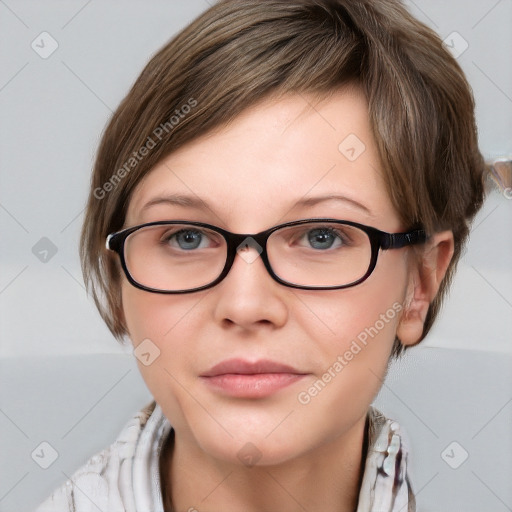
(251, 172)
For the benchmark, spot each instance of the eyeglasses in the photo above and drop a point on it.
(311, 254)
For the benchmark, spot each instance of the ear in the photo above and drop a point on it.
(425, 276)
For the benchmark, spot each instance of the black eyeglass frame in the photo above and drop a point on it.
(378, 240)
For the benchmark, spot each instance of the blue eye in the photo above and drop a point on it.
(189, 239)
(186, 239)
(323, 238)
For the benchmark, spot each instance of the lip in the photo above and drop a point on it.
(243, 367)
(246, 379)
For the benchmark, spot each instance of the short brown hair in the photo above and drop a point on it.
(240, 51)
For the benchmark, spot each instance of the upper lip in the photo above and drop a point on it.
(244, 367)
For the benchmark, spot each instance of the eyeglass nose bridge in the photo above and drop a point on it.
(239, 245)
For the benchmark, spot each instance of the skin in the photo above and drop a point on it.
(251, 173)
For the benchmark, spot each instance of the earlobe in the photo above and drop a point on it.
(425, 277)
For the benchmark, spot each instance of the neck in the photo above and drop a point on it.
(328, 478)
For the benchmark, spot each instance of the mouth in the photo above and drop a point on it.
(245, 379)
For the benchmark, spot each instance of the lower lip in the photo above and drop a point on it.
(252, 385)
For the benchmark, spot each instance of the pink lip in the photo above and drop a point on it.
(244, 379)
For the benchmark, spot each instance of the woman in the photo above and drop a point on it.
(276, 211)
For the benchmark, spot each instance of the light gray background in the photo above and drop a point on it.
(65, 381)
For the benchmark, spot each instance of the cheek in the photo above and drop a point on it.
(353, 333)
(171, 324)
(154, 315)
(363, 319)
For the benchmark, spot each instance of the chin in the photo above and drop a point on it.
(256, 440)
(253, 453)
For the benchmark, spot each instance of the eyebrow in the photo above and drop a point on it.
(199, 204)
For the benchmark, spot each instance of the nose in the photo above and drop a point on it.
(248, 297)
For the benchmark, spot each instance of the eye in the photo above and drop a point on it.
(187, 239)
(323, 238)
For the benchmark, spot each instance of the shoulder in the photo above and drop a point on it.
(99, 483)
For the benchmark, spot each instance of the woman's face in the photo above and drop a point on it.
(251, 175)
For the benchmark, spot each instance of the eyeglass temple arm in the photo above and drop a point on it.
(112, 242)
(399, 240)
